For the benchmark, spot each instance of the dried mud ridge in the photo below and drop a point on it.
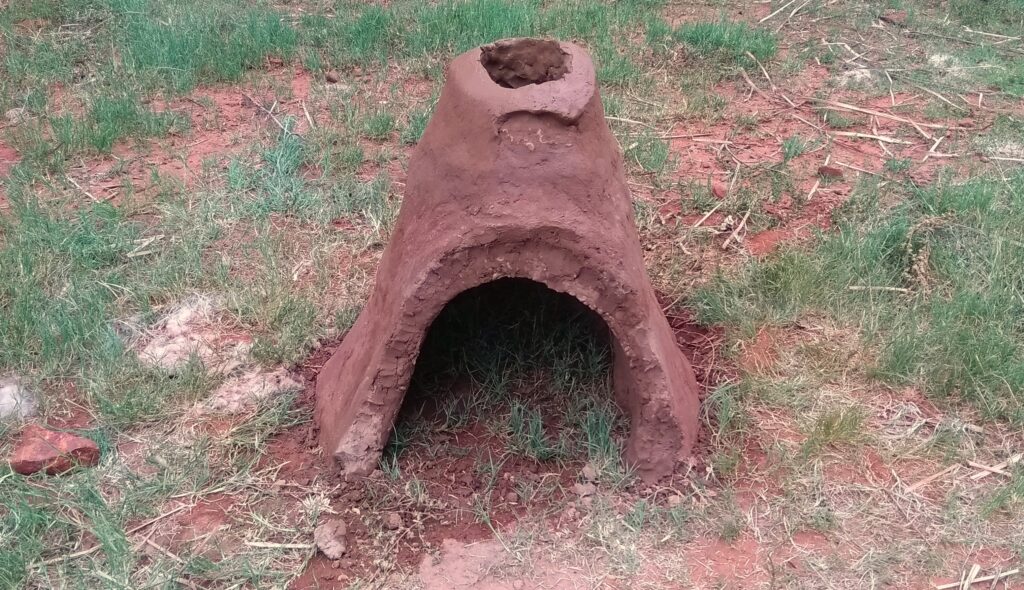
(520, 183)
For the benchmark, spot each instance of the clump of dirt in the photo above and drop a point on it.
(759, 355)
(190, 330)
(248, 389)
(487, 565)
(514, 63)
(9, 157)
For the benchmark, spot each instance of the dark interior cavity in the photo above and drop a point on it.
(520, 62)
(506, 346)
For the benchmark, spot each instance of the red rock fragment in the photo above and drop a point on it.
(830, 172)
(719, 190)
(53, 451)
(894, 17)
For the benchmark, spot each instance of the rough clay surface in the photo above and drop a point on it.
(16, 401)
(53, 451)
(514, 63)
(524, 183)
(330, 538)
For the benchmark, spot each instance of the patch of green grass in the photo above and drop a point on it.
(955, 248)
(897, 165)
(527, 436)
(1001, 16)
(416, 125)
(842, 426)
(112, 119)
(793, 147)
(728, 41)
(1008, 496)
(837, 120)
(379, 125)
(454, 26)
(48, 141)
(650, 153)
(179, 45)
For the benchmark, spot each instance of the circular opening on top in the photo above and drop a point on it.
(515, 63)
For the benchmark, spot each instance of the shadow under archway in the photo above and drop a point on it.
(517, 360)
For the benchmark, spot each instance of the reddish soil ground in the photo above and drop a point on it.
(451, 477)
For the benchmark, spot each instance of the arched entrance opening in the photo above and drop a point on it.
(518, 365)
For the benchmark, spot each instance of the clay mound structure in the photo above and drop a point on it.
(516, 176)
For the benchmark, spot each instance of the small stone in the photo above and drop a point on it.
(330, 538)
(830, 172)
(512, 497)
(15, 115)
(332, 77)
(894, 17)
(675, 500)
(585, 489)
(588, 501)
(52, 451)
(16, 401)
(393, 521)
(518, 585)
(719, 190)
(589, 472)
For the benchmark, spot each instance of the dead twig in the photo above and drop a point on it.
(706, 215)
(754, 86)
(852, 167)
(988, 471)
(849, 107)
(312, 125)
(993, 35)
(268, 545)
(963, 583)
(631, 121)
(884, 138)
(763, 71)
(931, 152)
(163, 550)
(942, 98)
(777, 11)
(269, 111)
(995, 470)
(933, 477)
(735, 232)
(877, 288)
(79, 187)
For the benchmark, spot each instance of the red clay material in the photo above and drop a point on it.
(517, 175)
(53, 451)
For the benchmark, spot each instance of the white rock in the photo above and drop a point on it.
(854, 77)
(15, 115)
(16, 400)
(190, 329)
(331, 538)
(250, 388)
